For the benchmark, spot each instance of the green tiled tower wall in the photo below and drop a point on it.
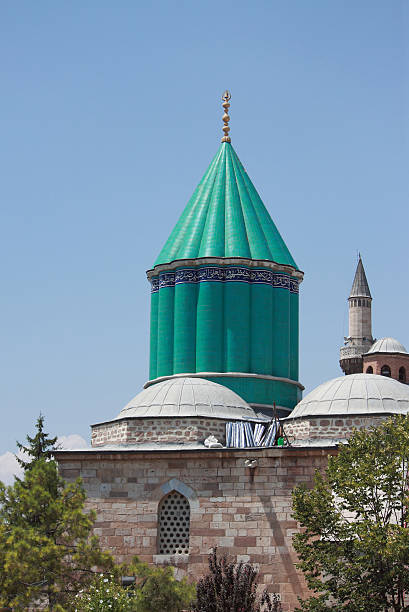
(184, 350)
(261, 391)
(261, 339)
(236, 327)
(153, 350)
(209, 327)
(165, 347)
(294, 335)
(281, 333)
(228, 327)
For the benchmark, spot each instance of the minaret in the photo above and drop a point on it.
(225, 291)
(359, 339)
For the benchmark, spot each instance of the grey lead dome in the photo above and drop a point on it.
(188, 397)
(355, 394)
(387, 345)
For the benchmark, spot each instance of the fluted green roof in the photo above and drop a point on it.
(225, 217)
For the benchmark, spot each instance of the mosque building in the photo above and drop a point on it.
(208, 453)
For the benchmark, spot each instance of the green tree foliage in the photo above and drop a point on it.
(155, 590)
(354, 548)
(39, 447)
(46, 548)
(232, 587)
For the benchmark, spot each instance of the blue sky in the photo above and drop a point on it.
(109, 115)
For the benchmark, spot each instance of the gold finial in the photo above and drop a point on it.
(226, 97)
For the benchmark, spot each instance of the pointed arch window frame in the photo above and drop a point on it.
(177, 485)
(161, 492)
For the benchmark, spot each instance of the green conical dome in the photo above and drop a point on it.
(224, 301)
(225, 217)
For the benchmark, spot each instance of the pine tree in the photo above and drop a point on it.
(47, 552)
(40, 446)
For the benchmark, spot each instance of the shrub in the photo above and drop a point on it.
(155, 590)
(232, 587)
(105, 595)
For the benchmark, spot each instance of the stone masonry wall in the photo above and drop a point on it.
(328, 427)
(137, 431)
(245, 513)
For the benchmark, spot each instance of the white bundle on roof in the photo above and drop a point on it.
(258, 433)
(270, 435)
(241, 435)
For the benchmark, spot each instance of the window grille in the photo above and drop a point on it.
(174, 524)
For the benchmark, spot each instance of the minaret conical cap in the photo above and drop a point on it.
(360, 287)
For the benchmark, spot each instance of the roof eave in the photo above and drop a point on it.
(226, 261)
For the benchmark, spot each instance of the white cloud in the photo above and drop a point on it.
(9, 466)
(71, 442)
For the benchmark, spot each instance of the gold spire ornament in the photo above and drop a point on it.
(226, 97)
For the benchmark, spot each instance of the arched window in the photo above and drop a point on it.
(385, 370)
(402, 374)
(359, 302)
(369, 370)
(173, 525)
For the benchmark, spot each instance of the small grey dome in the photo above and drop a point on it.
(355, 394)
(188, 397)
(387, 345)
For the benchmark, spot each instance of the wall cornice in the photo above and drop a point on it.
(225, 261)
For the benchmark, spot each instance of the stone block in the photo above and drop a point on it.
(245, 541)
